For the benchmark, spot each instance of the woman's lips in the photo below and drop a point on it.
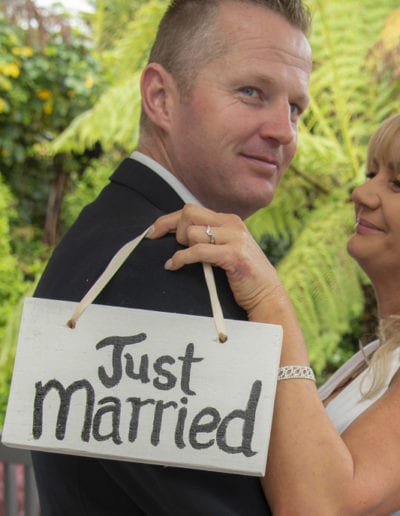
(364, 226)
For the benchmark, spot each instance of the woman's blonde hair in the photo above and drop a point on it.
(384, 144)
(389, 336)
(384, 148)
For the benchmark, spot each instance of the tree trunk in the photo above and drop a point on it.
(54, 204)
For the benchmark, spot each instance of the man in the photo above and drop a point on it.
(226, 83)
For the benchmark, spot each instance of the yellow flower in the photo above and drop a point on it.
(48, 108)
(5, 84)
(22, 51)
(89, 82)
(11, 70)
(44, 94)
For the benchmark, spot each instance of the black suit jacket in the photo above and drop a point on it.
(72, 485)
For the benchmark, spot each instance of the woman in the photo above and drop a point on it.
(343, 459)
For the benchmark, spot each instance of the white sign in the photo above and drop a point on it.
(143, 386)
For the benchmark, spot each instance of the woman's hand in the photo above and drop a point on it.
(253, 280)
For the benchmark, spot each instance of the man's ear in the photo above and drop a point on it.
(158, 93)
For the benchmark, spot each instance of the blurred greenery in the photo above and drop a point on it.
(41, 90)
(69, 111)
(47, 77)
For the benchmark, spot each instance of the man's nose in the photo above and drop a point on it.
(277, 124)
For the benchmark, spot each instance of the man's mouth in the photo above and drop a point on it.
(263, 160)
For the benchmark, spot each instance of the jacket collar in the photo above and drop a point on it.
(148, 183)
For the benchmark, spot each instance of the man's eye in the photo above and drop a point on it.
(250, 91)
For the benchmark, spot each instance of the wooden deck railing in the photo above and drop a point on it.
(12, 459)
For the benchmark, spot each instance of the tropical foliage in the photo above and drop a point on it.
(113, 120)
(12, 287)
(46, 80)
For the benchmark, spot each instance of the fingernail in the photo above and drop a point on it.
(168, 264)
(150, 231)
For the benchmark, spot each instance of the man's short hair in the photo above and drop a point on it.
(186, 40)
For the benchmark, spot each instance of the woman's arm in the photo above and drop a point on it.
(311, 470)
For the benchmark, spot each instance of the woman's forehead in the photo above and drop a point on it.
(384, 148)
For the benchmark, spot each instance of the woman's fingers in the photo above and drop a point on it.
(194, 224)
(217, 238)
(163, 225)
(224, 241)
(196, 253)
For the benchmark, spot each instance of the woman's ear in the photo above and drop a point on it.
(158, 93)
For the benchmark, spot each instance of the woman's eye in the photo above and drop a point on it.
(396, 183)
(370, 175)
(295, 112)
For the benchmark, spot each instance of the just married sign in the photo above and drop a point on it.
(143, 386)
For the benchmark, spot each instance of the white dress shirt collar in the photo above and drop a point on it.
(169, 178)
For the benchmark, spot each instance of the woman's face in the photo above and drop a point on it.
(376, 240)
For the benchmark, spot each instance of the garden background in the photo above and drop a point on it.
(69, 110)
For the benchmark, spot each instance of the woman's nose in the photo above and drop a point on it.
(366, 195)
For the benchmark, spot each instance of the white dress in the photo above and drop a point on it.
(349, 403)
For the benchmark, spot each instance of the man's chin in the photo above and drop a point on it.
(254, 204)
(263, 199)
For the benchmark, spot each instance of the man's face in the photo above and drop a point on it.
(232, 139)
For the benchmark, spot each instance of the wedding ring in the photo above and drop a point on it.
(210, 235)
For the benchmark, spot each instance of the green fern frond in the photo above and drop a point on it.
(322, 280)
(130, 52)
(112, 121)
